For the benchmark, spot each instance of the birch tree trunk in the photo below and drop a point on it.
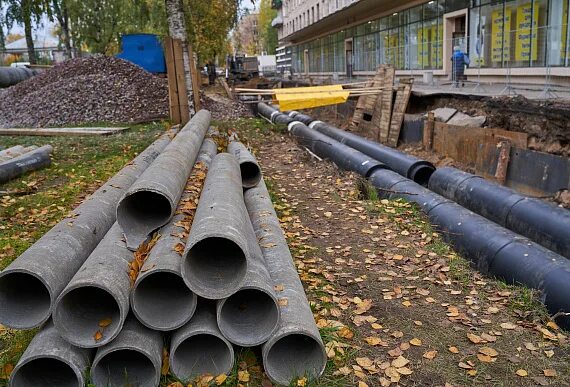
(177, 30)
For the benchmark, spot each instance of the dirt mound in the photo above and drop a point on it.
(85, 90)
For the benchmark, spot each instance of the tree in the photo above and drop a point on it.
(267, 34)
(62, 16)
(26, 13)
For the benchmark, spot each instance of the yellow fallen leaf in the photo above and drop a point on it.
(453, 349)
(175, 384)
(283, 301)
(488, 351)
(549, 353)
(416, 342)
(552, 325)
(376, 326)
(362, 384)
(363, 306)
(7, 371)
(105, 322)
(404, 371)
(345, 333)
(485, 358)
(474, 338)
(400, 362)
(430, 355)
(243, 376)
(220, 379)
(392, 372)
(328, 214)
(374, 340)
(550, 372)
(465, 366)
(98, 336)
(364, 361)
(407, 304)
(530, 347)
(472, 372)
(522, 373)
(508, 325)
(302, 382)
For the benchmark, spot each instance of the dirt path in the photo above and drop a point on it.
(393, 302)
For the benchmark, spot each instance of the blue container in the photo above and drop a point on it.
(144, 50)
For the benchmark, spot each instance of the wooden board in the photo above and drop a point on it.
(227, 88)
(463, 143)
(383, 109)
(365, 105)
(181, 81)
(172, 84)
(95, 131)
(400, 106)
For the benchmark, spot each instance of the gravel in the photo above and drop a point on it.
(85, 90)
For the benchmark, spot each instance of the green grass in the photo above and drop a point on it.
(32, 204)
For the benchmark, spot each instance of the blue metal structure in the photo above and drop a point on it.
(144, 50)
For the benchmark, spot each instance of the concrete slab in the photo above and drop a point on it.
(444, 114)
(462, 119)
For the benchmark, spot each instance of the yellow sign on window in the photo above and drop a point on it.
(501, 35)
(527, 33)
(436, 46)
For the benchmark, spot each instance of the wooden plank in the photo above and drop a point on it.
(400, 107)
(181, 81)
(503, 162)
(172, 84)
(383, 110)
(428, 131)
(94, 131)
(195, 80)
(365, 104)
(226, 87)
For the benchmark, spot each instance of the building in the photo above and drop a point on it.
(527, 39)
(283, 55)
(246, 35)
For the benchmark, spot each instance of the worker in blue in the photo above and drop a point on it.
(459, 60)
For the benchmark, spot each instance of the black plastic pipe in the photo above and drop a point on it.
(492, 249)
(542, 222)
(27, 162)
(342, 155)
(406, 165)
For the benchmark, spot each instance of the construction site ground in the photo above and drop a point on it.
(395, 304)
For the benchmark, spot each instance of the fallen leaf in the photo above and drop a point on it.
(302, 382)
(488, 337)
(283, 301)
(472, 372)
(400, 362)
(328, 214)
(364, 361)
(345, 333)
(98, 336)
(7, 371)
(105, 322)
(430, 355)
(474, 338)
(508, 326)
(485, 358)
(404, 371)
(530, 347)
(416, 342)
(362, 384)
(243, 376)
(375, 340)
(549, 353)
(363, 306)
(407, 304)
(175, 384)
(220, 379)
(550, 372)
(464, 365)
(522, 373)
(453, 349)
(488, 351)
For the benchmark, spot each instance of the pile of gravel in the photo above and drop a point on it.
(85, 90)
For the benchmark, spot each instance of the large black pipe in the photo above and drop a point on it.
(10, 76)
(342, 155)
(27, 162)
(542, 222)
(491, 248)
(406, 165)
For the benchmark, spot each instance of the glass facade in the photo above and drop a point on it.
(505, 33)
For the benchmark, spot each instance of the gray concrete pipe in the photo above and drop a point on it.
(134, 358)
(10, 76)
(296, 349)
(199, 347)
(30, 284)
(49, 360)
(12, 152)
(160, 299)
(249, 168)
(151, 201)
(99, 291)
(27, 162)
(215, 261)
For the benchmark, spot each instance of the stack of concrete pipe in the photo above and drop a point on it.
(17, 160)
(201, 290)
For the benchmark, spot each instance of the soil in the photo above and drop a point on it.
(547, 123)
(423, 297)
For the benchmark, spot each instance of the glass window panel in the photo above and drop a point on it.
(430, 10)
(454, 5)
(415, 14)
(557, 33)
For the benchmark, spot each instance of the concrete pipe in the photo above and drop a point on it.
(30, 284)
(92, 308)
(49, 360)
(27, 162)
(199, 347)
(249, 168)
(10, 76)
(160, 299)
(491, 248)
(151, 201)
(134, 358)
(536, 219)
(215, 261)
(296, 349)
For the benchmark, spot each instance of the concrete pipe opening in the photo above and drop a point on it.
(45, 371)
(143, 209)
(248, 317)
(24, 300)
(250, 174)
(201, 354)
(215, 267)
(162, 301)
(124, 367)
(294, 355)
(80, 312)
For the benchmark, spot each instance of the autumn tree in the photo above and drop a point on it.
(61, 14)
(267, 34)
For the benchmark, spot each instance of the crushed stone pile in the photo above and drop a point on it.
(223, 108)
(85, 90)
